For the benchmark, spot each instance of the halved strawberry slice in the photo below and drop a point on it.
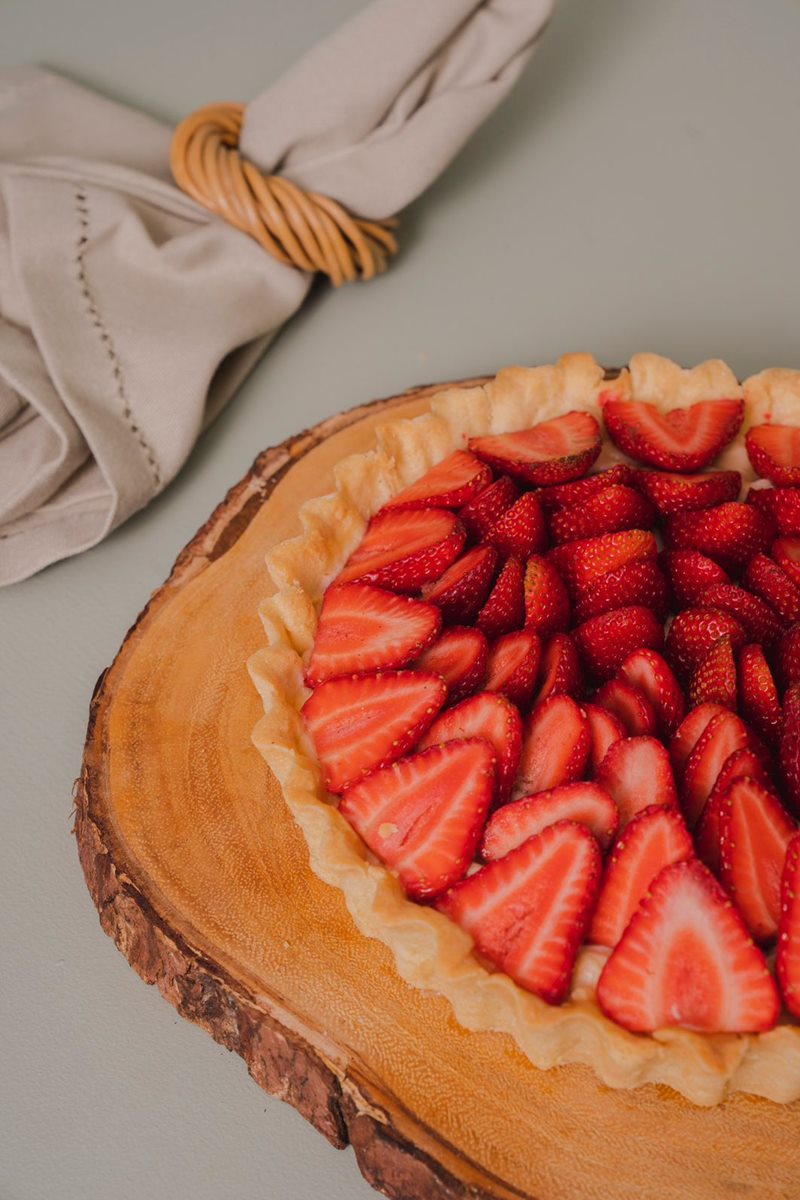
(742, 764)
(514, 823)
(514, 666)
(461, 657)
(552, 452)
(362, 628)
(636, 772)
(362, 723)
(781, 505)
(714, 681)
(641, 583)
(789, 752)
(462, 590)
(607, 511)
(682, 439)
(650, 672)
(401, 550)
(547, 608)
(505, 608)
(686, 959)
(560, 671)
(450, 484)
(730, 533)
(692, 636)
(521, 530)
(774, 451)
(773, 585)
(606, 641)
(786, 552)
(690, 573)
(527, 912)
(488, 716)
(758, 696)
(789, 657)
(787, 965)
(656, 837)
(564, 494)
(688, 734)
(581, 563)
(423, 816)
(485, 510)
(724, 734)
(684, 493)
(754, 833)
(555, 748)
(604, 729)
(755, 616)
(629, 705)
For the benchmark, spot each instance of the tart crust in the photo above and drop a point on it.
(430, 951)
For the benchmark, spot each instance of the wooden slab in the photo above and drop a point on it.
(202, 879)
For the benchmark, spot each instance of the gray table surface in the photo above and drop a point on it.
(638, 191)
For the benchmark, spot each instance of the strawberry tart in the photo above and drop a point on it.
(532, 694)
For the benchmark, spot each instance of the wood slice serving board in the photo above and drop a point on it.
(202, 879)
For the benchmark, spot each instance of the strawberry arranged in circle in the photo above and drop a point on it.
(754, 834)
(452, 483)
(607, 511)
(504, 609)
(640, 583)
(774, 451)
(553, 452)
(681, 439)
(724, 734)
(769, 581)
(514, 666)
(491, 717)
(521, 530)
(606, 641)
(560, 670)
(604, 730)
(403, 549)
(637, 773)
(690, 574)
(564, 495)
(555, 748)
(461, 591)
(754, 615)
(788, 960)
(580, 564)
(742, 764)
(629, 705)
(485, 510)
(730, 533)
(688, 734)
(759, 703)
(514, 823)
(547, 607)
(714, 681)
(786, 553)
(673, 493)
(649, 671)
(781, 505)
(461, 657)
(693, 634)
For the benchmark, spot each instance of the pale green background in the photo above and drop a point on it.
(638, 191)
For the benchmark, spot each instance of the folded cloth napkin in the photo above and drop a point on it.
(129, 314)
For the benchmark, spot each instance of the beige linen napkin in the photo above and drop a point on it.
(129, 315)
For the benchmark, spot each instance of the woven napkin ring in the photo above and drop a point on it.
(300, 229)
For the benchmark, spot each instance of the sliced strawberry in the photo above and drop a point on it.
(452, 483)
(690, 573)
(742, 764)
(514, 666)
(689, 732)
(682, 439)
(514, 823)
(789, 657)
(560, 672)
(773, 585)
(402, 550)
(781, 505)
(553, 452)
(714, 681)
(547, 608)
(604, 729)
(488, 716)
(758, 696)
(487, 508)
(363, 628)
(527, 912)
(461, 592)
(636, 772)
(789, 752)
(650, 672)
(774, 451)
(787, 965)
(606, 641)
(556, 746)
(641, 583)
(684, 493)
(754, 833)
(755, 616)
(607, 511)
(656, 837)
(629, 705)
(730, 533)
(581, 563)
(423, 816)
(786, 552)
(362, 723)
(505, 608)
(521, 530)
(723, 735)
(564, 494)
(692, 636)
(461, 657)
(686, 959)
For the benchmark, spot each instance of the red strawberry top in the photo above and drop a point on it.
(563, 704)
